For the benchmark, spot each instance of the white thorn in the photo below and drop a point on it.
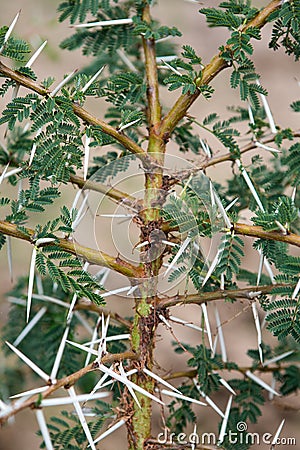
(187, 324)
(230, 205)
(104, 329)
(12, 172)
(128, 374)
(131, 291)
(212, 196)
(268, 111)
(29, 363)
(222, 210)
(29, 326)
(9, 31)
(47, 298)
(212, 267)
(30, 392)
(254, 294)
(110, 430)
(171, 68)
(30, 282)
(9, 257)
(91, 351)
(41, 241)
(164, 320)
(222, 281)
(268, 268)
(103, 23)
(250, 185)
(273, 385)
(116, 291)
(133, 394)
(296, 290)
(182, 397)
(293, 196)
(126, 60)
(160, 59)
(67, 400)
(76, 199)
(227, 386)
(104, 274)
(62, 83)
(80, 213)
(86, 156)
(43, 427)
(206, 148)
(127, 382)
(168, 265)
(33, 149)
(266, 147)
(220, 334)
(207, 324)
(4, 172)
(82, 419)
(142, 244)
(250, 114)
(258, 330)
(93, 78)
(117, 337)
(32, 153)
(160, 380)
(260, 382)
(208, 399)
(260, 267)
(72, 304)
(36, 54)
(97, 386)
(118, 216)
(281, 227)
(225, 421)
(177, 256)
(277, 434)
(127, 125)
(278, 358)
(59, 353)
(92, 343)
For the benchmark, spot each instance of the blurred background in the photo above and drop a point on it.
(279, 75)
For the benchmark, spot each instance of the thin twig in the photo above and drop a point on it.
(202, 297)
(66, 382)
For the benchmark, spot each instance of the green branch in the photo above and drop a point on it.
(87, 254)
(249, 293)
(82, 113)
(242, 369)
(260, 233)
(154, 107)
(213, 68)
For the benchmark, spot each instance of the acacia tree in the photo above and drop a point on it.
(51, 139)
